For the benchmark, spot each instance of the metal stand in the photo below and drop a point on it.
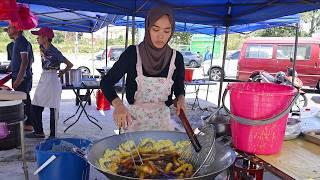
(197, 83)
(196, 102)
(24, 163)
(83, 110)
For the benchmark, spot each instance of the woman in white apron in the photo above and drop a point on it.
(154, 73)
(48, 92)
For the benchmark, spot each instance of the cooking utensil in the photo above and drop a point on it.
(203, 151)
(135, 147)
(71, 78)
(224, 156)
(220, 121)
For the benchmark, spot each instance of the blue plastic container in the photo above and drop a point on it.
(67, 165)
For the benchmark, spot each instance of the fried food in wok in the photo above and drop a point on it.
(161, 159)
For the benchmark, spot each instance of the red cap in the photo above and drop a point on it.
(44, 31)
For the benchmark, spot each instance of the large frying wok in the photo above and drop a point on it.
(224, 157)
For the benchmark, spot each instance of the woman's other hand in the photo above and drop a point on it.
(121, 114)
(181, 104)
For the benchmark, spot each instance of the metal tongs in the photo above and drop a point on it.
(134, 144)
(193, 138)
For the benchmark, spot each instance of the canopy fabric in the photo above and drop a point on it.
(214, 13)
(68, 20)
(210, 30)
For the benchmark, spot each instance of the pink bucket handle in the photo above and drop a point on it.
(255, 122)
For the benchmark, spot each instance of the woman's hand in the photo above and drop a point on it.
(121, 114)
(181, 104)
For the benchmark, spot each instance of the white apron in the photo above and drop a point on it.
(48, 92)
(149, 111)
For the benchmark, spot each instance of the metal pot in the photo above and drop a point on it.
(71, 78)
(224, 156)
(221, 122)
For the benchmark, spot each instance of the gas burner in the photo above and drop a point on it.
(243, 168)
(249, 167)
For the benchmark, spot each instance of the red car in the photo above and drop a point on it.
(273, 54)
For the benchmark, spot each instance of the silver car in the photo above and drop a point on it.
(216, 69)
(191, 59)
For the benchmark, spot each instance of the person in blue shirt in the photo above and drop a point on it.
(208, 55)
(21, 60)
(48, 91)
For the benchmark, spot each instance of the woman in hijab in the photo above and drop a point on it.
(154, 73)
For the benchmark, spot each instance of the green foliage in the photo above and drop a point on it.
(235, 41)
(58, 37)
(276, 32)
(4, 40)
(313, 19)
(181, 38)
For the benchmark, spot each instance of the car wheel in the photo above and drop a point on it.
(318, 86)
(193, 64)
(216, 74)
(84, 69)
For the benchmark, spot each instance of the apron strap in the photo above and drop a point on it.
(172, 66)
(139, 64)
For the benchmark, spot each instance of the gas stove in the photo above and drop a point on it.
(249, 167)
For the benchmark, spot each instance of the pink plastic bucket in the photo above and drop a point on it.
(259, 114)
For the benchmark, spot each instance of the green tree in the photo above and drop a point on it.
(58, 37)
(235, 41)
(181, 38)
(276, 32)
(313, 19)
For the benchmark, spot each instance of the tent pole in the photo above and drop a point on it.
(76, 50)
(223, 63)
(133, 30)
(106, 50)
(214, 41)
(92, 54)
(295, 53)
(125, 46)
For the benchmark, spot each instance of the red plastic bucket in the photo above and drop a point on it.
(188, 74)
(102, 102)
(259, 114)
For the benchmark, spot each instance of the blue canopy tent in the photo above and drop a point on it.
(215, 13)
(218, 30)
(68, 20)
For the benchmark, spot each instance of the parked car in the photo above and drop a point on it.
(113, 55)
(275, 54)
(230, 66)
(191, 59)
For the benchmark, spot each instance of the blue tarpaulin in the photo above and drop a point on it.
(82, 21)
(70, 20)
(207, 12)
(206, 29)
